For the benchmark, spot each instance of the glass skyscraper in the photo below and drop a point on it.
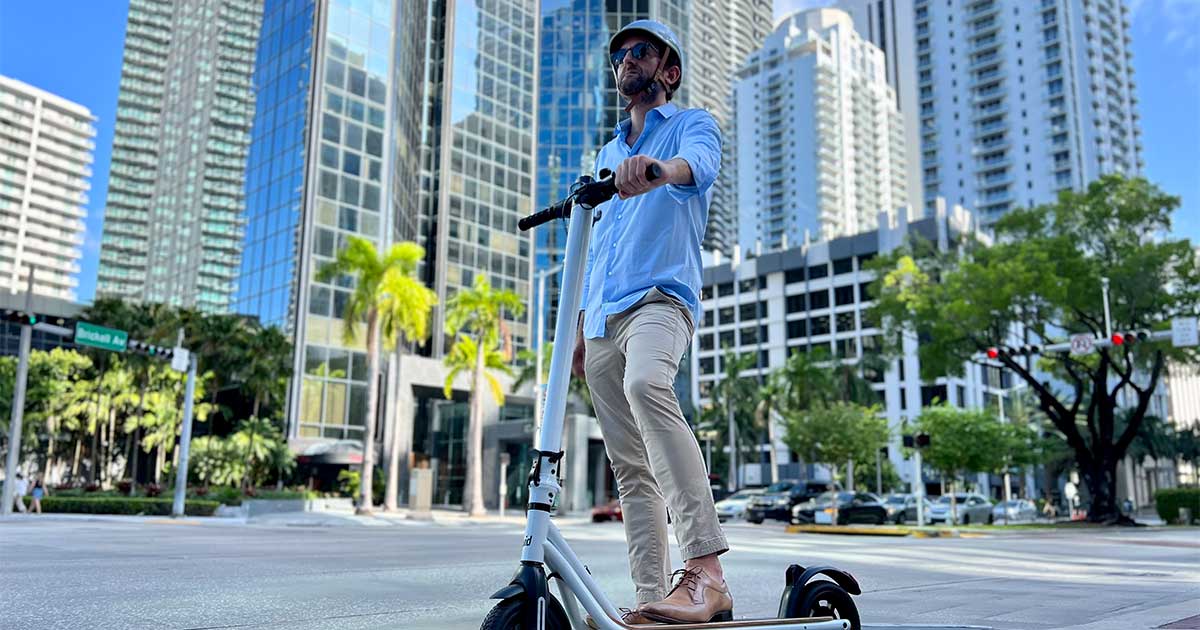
(332, 90)
(477, 170)
(173, 220)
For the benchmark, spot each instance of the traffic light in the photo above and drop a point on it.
(1130, 338)
(920, 440)
(1028, 349)
(149, 349)
(19, 317)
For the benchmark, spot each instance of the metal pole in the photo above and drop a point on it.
(919, 487)
(18, 407)
(185, 440)
(1007, 474)
(537, 377)
(1107, 318)
(503, 485)
(878, 473)
(733, 474)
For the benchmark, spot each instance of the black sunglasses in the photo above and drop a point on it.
(638, 50)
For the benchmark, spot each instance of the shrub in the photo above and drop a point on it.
(286, 494)
(123, 505)
(1168, 501)
(92, 487)
(226, 494)
(124, 485)
(200, 491)
(153, 489)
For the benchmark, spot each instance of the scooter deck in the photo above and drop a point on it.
(799, 622)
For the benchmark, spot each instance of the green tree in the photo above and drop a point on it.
(732, 410)
(1042, 280)
(404, 308)
(475, 316)
(267, 369)
(368, 270)
(837, 434)
(962, 440)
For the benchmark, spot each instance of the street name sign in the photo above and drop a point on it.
(1184, 332)
(1082, 344)
(100, 337)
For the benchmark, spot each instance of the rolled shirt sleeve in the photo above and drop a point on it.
(700, 147)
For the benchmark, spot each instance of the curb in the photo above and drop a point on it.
(846, 530)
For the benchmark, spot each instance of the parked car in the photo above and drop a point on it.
(971, 508)
(734, 506)
(777, 501)
(610, 511)
(1015, 510)
(903, 507)
(852, 507)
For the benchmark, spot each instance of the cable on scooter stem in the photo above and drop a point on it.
(587, 193)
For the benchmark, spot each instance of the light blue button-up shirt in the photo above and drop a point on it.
(653, 239)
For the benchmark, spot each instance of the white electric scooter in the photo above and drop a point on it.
(816, 598)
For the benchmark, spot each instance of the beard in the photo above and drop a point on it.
(632, 83)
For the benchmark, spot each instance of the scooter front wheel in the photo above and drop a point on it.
(507, 616)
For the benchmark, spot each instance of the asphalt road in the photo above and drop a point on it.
(60, 573)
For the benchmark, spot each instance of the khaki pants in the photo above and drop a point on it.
(631, 374)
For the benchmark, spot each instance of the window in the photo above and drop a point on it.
(764, 358)
(707, 365)
(793, 275)
(843, 295)
(749, 336)
(845, 321)
(932, 393)
(903, 399)
(706, 342)
(818, 271)
(797, 329)
(725, 289)
(727, 339)
(708, 319)
(819, 325)
(795, 303)
(725, 316)
(844, 348)
(763, 310)
(747, 285)
(706, 292)
(864, 292)
(818, 300)
(763, 335)
(843, 265)
(746, 312)
(762, 282)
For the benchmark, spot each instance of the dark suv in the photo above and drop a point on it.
(777, 501)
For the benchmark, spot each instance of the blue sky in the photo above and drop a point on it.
(73, 48)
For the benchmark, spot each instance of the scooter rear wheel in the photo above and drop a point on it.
(507, 616)
(827, 599)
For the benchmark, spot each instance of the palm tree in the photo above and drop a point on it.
(474, 315)
(360, 259)
(404, 310)
(730, 397)
(268, 366)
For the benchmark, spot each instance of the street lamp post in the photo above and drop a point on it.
(13, 461)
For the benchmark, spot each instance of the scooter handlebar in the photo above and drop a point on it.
(594, 193)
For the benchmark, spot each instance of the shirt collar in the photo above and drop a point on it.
(665, 110)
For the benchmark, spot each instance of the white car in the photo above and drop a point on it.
(1017, 510)
(969, 507)
(734, 506)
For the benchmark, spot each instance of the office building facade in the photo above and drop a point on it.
(820, 141)
(46, 151)
(815, 298)
(173, 223)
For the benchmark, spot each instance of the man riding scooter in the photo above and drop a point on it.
(641, 299)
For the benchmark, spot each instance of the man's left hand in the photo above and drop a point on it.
(630, 177)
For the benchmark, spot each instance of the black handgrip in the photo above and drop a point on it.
(592, 194)
(544, 216)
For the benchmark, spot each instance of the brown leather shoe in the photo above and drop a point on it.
(630, 617)
(696, 598)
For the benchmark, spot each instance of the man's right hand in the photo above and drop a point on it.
(578, 357)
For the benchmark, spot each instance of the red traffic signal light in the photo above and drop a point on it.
(1118, 339)
(992, 353)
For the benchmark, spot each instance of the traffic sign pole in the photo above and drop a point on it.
(185, 441)
(18, 408)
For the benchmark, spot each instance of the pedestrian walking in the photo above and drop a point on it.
(19, 489)
(39, 491)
